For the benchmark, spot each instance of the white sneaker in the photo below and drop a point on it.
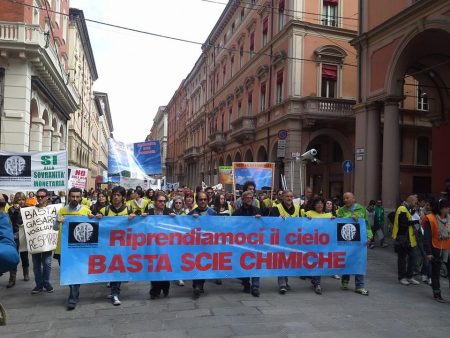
(404, 281)
(429, 281)
(424, 279)
(413, 281)
(180, 283)
(336, 277)
(116, 300)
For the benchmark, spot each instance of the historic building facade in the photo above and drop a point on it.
(84, 128)
(36, 97)
(266, 67)
(404, 102)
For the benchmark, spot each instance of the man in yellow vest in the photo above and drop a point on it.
(405, 240)
(286, 209)
(118, 207)
(73, 208)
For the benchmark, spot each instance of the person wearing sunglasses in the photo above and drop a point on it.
(160, 209)
(202, 209)
(42, 261)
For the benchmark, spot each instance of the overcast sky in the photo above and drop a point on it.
(141, 72)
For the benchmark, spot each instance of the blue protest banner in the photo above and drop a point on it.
(183, 247)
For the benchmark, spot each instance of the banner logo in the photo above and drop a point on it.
(348, 232)
(83, 234)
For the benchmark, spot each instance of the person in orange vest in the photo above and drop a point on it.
(436, 243)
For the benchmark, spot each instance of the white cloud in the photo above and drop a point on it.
(141, 72)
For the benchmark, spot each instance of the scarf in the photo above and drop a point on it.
(444, 230)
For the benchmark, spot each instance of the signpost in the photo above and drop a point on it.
(347, 166)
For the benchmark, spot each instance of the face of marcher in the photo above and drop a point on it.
(74, 199)
(308, 193)
(287, 198)
(177, 204)
(251, 188)
(318, 207)
(202, 200)
(222, 199)
(117, 199)
(349, 199)
(329, 205)
(160, 202)
(189, 200)
(248, 200)
(41, 199)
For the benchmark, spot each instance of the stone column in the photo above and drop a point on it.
(360, 161)
(47, 138)
(36, 131)
(56, 139)
(391, 154)
(372, 154)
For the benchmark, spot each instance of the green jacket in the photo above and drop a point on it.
(359, 211)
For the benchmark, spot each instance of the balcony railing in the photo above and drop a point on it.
(243, 129)
(217, 141)
(320, 107)
(191, 154)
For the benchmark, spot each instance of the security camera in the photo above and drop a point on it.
(309, 155)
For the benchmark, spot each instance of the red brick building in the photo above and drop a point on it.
(404, 49)
(267, 67)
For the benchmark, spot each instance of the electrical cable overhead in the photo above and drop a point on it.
(176, 38)
(289, 16)
(275, 7)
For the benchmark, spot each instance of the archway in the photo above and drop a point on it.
(237, 157)
(326, 177)
(228, 161)
(248, 156)
(262, 154)
(418, 85)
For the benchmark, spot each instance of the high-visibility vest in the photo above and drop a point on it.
(284, 213)
(412, 236)
(435, 241)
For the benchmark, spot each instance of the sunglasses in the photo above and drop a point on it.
(202, 199)
(178, 203)
(39, 197)
(161, 201)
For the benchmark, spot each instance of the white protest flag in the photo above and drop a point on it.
(204, 185)
(38, 226)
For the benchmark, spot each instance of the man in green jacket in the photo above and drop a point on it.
(351, 209)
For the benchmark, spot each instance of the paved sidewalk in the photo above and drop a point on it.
(391, 310)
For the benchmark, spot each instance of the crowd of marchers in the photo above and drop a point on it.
(419, 229)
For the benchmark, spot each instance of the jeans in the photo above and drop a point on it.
(254, 282)
(359, 280)
(198, 283)
(74, 294)
(42, 266)
(115, 288)
(436, 273)
(405, 262)
(282, 282)
(315, 280)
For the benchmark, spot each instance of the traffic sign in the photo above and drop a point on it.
(347, 166)
(282, 134)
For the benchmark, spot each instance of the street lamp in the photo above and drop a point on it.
(310, 155)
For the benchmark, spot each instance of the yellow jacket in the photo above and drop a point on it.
(65, 211)
(412, 236)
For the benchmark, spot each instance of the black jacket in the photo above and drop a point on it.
(247, 211)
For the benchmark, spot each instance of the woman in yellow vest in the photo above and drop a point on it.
(139, 204)
(285, 209)
(436, 243)
(317, 211)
